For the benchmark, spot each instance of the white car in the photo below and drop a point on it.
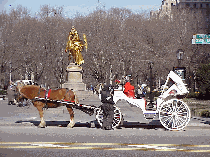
(25, 82)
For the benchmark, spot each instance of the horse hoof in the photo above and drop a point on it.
(70, 125)
(41, 126)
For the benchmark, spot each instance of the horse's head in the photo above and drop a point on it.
(18, 96)
(19, 86)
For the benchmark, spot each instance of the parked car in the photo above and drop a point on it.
(25, 82)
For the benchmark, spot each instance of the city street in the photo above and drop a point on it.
(20, 135)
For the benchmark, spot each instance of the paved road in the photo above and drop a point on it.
(20, 136)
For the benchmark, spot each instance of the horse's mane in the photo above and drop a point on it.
(33, 87)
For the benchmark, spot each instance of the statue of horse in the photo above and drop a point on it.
(32, 91)
(75, 46)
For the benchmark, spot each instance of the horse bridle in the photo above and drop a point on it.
(19, 94)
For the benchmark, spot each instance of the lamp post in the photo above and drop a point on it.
(181, 71)
(179, 55)
(10, 71)
(151, 97)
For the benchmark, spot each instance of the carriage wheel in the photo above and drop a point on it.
(174, 114)
(117, 117)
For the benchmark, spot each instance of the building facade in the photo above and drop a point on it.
(201, 4)
(168, 6)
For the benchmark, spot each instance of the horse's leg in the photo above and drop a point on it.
(39, 105)
(71, 112)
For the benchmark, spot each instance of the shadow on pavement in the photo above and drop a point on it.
(94, 124)
(202, 120)
(154, 124)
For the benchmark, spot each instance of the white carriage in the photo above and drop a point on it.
(173, 113)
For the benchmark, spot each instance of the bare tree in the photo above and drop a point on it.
(120, 42)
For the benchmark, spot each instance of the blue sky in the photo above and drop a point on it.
(81, 6)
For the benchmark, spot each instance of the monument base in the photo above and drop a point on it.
(75, 86)
(74, 81)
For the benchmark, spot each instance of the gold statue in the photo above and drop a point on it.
(75, 46)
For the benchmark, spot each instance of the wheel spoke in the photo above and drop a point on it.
(177, 121)
(165, 116)
(169, 117)
(114, 123)
(182, 113)
(167, 108)
(181, 120)
(182, 110)
(173, 123)
(166, 113)
(178, 109)
(174, 106)
(169, 123)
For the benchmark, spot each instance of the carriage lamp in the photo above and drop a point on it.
(179, 55)
(151, 65)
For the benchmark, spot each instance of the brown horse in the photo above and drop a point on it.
(32, 91)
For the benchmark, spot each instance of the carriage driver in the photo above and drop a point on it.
(107, 106)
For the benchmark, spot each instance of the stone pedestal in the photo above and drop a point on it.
(74, 81)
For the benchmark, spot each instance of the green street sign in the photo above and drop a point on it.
(201, 39)
(208, 40)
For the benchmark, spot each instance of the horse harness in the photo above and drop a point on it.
(47, 97)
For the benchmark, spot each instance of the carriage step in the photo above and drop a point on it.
(149, 116)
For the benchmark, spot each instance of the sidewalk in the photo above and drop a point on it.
(197, 106)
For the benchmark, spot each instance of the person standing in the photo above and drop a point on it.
(11, 94)
(107, 107)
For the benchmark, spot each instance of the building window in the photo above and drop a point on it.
(172, 4)
(201, 5)
(207, 5)
(166, 3)
(194, 5)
